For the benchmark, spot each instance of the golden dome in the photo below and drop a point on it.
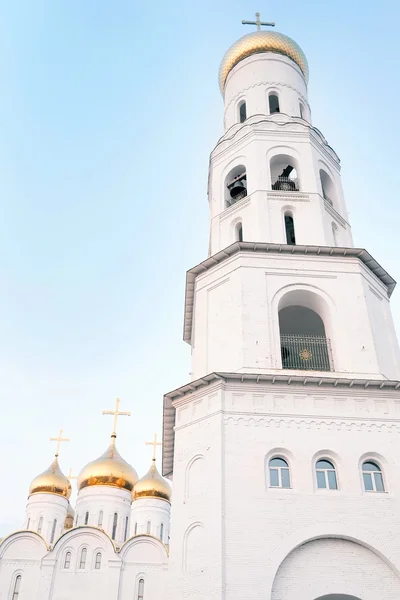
(110, 469)
(152, 485)
(51, 481)
(256, 43)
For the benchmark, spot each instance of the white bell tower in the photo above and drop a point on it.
(287, 435)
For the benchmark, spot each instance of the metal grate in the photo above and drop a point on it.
(305, 352)
(286, 184)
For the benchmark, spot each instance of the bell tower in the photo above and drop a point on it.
(293, 404)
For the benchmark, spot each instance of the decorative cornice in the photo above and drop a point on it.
(216, 380)
(266, 248)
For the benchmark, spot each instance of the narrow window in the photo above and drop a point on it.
(28, 523)
(100, 521)
(326, 475)
(301, 110)
(39, 529)
(242, 112)
(289, 228)
(114, 529)
(97, 564)
(335, 234)
(76, 519)
(126, 529)
(148, 527)
(53, 531)
(87, 517)
(17, 585)
(67, 560)
(239, 232)
(372, 477)
(135, 529)
(279, 473)
(140, 589)
(161, 531)
(273, 104)
(82, 562)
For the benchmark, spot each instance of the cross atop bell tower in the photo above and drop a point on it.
(259, 23)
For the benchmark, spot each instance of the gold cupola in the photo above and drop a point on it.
(152, 485)
(109, 469)
(51, 481)
(259, 42)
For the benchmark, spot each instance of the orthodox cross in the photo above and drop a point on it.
(154, 443)
(259, 23)
(117, 413)
(70, 476)
(59, 439)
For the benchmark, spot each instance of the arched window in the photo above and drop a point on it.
(372, 477)
(289, 229)
(148, 527)
(114, 529)
(126, 528)
(242, 112)
(328, 187)
(326, 475)
(53, 531)
(17, 586)
(67, 560)
(273, 102)
(135, 529)
(100, 521)
(39, 529)
(239, 232)
(87, 517)
(161, 531)
(97, 564)
(235, 185)
(82, 562)
(140, 589)
(284, 176)
(279, 475)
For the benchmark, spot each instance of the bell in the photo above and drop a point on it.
(285, 184)
(237, 188)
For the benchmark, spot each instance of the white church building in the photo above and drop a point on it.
(283, 448)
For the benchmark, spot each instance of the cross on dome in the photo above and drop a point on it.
(70, 476)
(154, 443)
(117, 413)
(259, 23)
(59, 439)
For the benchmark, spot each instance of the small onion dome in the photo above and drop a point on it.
(51, 481)
(152, 485)
(259, 42)
(110, 469)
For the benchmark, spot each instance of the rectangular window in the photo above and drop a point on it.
(285, 478)
(368, 482)
(53, 531)
(114, 529)
(321, 482)
(126, 529)
(378, 482)
(332, 481)
(161, 531)
(67, 562)
(135, 528)
(274, 477)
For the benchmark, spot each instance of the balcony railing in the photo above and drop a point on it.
(286, 184)
(305, 352)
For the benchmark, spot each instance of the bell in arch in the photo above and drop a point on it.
(237, 188)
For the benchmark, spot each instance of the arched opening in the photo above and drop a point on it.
(372, 477)
(284, 175)
(239, 232)
(301, 109)
(235, 185)
(114, 527)
(242, 112)
(326, 475)
(289, 228)
(304, 344)
(273, 103)
(17, 585)
(328, 187)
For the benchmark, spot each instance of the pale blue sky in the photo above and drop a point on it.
(108, 112)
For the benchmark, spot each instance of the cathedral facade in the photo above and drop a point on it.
(283, 447)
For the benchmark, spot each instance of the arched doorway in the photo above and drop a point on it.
(304, 344)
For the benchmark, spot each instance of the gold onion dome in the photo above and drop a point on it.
(51, 481)
(152, 485)
(258, 42)
(109, 469)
